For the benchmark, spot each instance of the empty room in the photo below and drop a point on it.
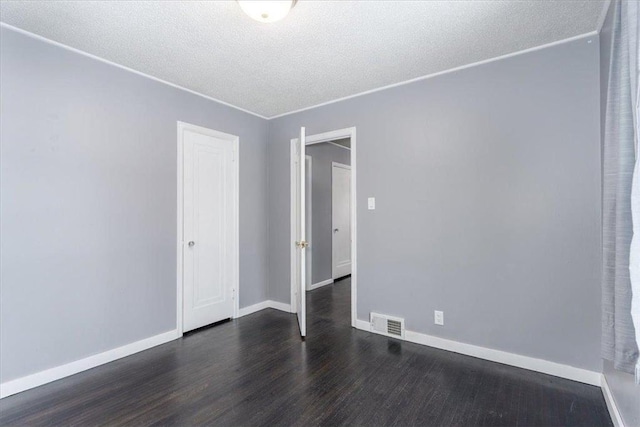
(301, 213)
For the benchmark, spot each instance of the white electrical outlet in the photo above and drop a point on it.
(371, 203)
(438, 317)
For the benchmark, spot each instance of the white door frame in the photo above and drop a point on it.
(180, 223)
(309, 222)
(333, 265)
(317, 139)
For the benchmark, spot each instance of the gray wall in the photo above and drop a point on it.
(487, 186)
(622, 386)
(321, 243)
(88, 195)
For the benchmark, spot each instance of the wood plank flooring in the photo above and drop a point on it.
(257, 371)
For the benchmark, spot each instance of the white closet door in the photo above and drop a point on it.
(209, 241)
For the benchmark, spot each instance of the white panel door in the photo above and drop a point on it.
(300, 241)
(341, 219)
(209, 240)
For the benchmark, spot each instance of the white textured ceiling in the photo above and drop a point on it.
(322, 51)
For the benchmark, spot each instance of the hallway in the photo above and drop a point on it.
(256, 371)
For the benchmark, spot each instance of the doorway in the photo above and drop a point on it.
(340, 220)
(310, 248)
(207, 227)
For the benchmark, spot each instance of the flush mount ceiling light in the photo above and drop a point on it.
(267, 11)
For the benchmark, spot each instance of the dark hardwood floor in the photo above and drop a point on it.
(257, 371)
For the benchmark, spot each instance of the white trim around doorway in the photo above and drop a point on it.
(309, 226)
(317, 139)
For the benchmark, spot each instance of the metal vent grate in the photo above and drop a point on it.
(387, 325)
(394, 327)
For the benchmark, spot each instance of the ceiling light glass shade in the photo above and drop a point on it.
(266, 11)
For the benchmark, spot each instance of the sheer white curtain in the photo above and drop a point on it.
(621, 195)
(631, 17)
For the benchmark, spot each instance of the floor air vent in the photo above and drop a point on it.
(387, 325)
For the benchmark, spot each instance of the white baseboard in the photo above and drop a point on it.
(363, 325)
(616, 418)
(512, 359)
(280, 306)
(43, 377)
(253, 308)
(320, 284)
(264, 304)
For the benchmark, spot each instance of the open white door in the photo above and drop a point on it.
(300, 236)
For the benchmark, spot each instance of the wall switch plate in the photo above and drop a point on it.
(438, 317)
(371, 203)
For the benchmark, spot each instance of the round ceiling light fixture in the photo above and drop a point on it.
(267, 11)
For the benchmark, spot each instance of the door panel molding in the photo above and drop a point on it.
(235, 220)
